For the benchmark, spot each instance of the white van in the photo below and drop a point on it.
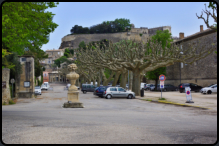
(46, 84)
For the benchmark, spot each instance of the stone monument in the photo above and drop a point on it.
(73, 93)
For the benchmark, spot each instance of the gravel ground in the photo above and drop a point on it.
(104, 121)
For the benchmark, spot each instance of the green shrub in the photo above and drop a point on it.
(140, 34)
(11, 101)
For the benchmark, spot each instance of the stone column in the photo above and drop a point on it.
(6, 94)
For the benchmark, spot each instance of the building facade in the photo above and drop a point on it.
(202, 72)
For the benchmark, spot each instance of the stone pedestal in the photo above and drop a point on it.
(73, 93)
(73, 105)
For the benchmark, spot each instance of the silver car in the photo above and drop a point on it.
(118, 92)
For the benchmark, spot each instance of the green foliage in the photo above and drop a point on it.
(26, 25)
(41, 82)
(118, 25)
(140, 34)
(12, 61)
(38, 82)
(154, 75)
(107, 72)
(11, 102)
(60, 60)
(163, 37)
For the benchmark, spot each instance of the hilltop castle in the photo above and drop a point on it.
(72, 41)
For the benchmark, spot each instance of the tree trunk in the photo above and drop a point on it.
(130, 80)
(116, 78)
(123, 80)
(98, 81)
(136, 82)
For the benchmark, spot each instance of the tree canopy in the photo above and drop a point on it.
(118, 25)
(26, 25)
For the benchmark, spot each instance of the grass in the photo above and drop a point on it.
(162, 99)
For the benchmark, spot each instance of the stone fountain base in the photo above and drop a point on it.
(73, 105)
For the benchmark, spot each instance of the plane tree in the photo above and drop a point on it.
(139, 56)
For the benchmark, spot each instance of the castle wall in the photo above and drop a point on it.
(72, 41)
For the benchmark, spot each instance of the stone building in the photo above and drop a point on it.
(52, 56)
(202, 72)
(25, 81)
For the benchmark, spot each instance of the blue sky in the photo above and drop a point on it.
(181, 16)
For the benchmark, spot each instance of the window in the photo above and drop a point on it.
(23, 59)
(92, 86)
(121, 89)
(58, 52)
(193, 84)
(113, 89)
(181, 65)
(88, 86)
(44, 75)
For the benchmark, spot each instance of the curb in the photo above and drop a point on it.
(174, 103)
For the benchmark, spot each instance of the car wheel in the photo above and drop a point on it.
(84, 92)
(108, 96)
(176, 89)
(130, 96)
(209, 92)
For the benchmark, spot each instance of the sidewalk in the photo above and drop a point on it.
(203, 101)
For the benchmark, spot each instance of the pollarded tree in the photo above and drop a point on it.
(139, 56)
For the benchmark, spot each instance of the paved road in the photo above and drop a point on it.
(117, 120)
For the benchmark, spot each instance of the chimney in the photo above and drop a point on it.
(181, 35)
(201, 28)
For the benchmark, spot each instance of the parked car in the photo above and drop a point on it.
(147, 86)
(37, 90)
(44, 87)
(87, 88)
(152, 87)
(118, 92)
(68, 85)
(192, 86)
(99, 91)
(210, 89)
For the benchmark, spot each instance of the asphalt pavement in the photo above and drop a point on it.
(43, 120)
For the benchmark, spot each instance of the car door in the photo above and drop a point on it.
(92, 88)
(121, 92)
(193, 87)
(114, 92)
(214, 89)
(88, 88)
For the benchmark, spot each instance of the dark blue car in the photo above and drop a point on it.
(100, 90)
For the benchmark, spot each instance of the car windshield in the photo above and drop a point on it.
(43, 86)
(37, 87)
(211, 85)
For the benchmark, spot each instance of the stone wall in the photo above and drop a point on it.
(27, 75)
(72, 41)
(6, 95)
(203, 72)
